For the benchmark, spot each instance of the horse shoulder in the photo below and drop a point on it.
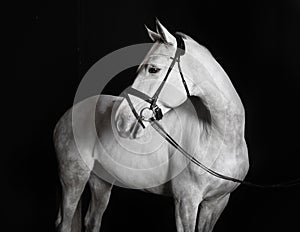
(232, 159)
(75, 133)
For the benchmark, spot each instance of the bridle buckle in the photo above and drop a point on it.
(156, 114)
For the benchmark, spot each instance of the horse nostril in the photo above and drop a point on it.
(120, 124)
(122, 127)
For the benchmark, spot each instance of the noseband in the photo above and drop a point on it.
(153, 108)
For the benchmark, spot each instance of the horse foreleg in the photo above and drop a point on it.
(210, 211)
(73, 180)
(186, 214)
(100, 194)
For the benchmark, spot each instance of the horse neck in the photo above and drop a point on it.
(210, 82)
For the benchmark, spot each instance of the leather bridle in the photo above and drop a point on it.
(156, 111)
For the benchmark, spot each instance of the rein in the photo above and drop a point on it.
(157, 115)
(170, 140)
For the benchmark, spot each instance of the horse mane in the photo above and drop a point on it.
(184, 36)
(190, 39)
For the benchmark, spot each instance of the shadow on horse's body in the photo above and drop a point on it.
(214, 135)
(192, 190)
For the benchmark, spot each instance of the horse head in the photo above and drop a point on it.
(150, 76)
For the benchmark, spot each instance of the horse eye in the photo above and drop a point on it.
(153, 70)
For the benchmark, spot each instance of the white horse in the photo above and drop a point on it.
(215, 136)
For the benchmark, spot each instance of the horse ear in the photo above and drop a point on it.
(166, 36)
(153, 35)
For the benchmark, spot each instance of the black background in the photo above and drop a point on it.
(257, 43)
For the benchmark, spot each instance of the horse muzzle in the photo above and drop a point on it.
(129, 128)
